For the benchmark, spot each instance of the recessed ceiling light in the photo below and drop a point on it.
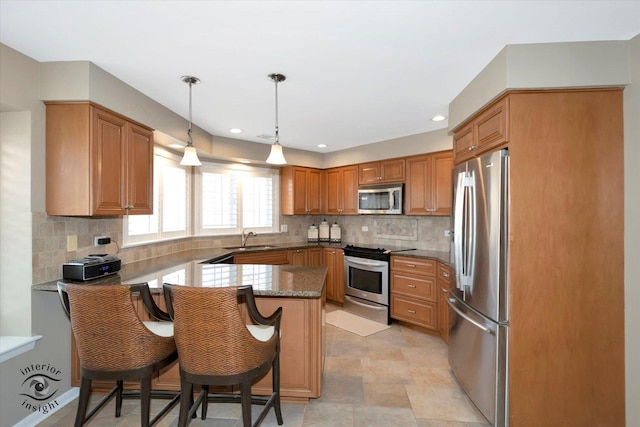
(322, 145)
(438, 118)
(235, 130)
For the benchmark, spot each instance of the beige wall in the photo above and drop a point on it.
(539, 66)
(632, 233)
(421, 143)
(15, 223)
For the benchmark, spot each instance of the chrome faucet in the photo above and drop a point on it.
(245, 237)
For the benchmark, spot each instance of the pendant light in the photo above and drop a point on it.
(276, 157)
(190, 157)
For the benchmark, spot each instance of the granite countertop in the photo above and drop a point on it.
(194, 268)
(442, 257)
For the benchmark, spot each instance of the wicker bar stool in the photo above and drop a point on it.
(114, 344)
(217, 347)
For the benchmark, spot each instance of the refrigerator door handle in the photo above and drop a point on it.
(458, 234)
(451, 302)
(473, 220)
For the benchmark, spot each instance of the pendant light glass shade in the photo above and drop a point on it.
(276, 157)
(190, 157)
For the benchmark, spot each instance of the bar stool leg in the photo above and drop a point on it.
(245, 390)
(83, 401)
(119, 385)
(145, 400)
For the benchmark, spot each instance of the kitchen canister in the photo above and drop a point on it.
(335, 233)
(312, 234)
(323, 231)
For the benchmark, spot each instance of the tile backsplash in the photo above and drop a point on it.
(50, 237)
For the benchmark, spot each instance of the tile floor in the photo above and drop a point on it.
(397, 377)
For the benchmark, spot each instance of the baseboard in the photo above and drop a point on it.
(37, 417)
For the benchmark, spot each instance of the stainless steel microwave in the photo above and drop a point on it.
(381, 199)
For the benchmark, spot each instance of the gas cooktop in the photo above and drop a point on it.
(372, 251)
(376, 248)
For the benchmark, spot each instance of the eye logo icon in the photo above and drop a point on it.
(39, 386)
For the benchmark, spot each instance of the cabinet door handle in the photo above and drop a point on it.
(412, 311)
(445, 274)
(128, 207)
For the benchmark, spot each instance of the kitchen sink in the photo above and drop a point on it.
(252, 247)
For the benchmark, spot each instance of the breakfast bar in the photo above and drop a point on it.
(299, 290)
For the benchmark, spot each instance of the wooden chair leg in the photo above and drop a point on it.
(145, 400)
(186, 399)
(245, 398)
(276, 387)
(119, 385)
(205, 402)
(83, 401)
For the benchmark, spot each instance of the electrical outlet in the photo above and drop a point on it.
(447, 233)
(101, 240)
(72, 243)
(283, 228)
(365, 228)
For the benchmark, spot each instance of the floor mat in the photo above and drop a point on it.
(355, 324)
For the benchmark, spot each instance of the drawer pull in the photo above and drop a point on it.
(411, 286)
(411, 265)
(412, 311)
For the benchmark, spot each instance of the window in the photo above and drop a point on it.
(234, 197)
(170, 204)
(227, 199)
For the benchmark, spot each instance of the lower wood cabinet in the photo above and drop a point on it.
(334, 260)
(444, 313)
(315, 257)
(267, 257)
(299, 257)
(414, 297)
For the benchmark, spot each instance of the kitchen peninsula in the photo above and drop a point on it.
(299, 290)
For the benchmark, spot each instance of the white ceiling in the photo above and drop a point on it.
(357, 71)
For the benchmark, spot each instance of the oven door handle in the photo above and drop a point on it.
(367, 264)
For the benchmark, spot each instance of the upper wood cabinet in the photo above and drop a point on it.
(381, 172)
(428, 185)
(98, 162)
(489, 129)
(342, 191)
(300, 192)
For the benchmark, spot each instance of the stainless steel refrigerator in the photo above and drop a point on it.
(478, 351)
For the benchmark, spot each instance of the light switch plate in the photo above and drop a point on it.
(72, 243)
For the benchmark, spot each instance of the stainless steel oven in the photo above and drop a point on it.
(366, 283)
